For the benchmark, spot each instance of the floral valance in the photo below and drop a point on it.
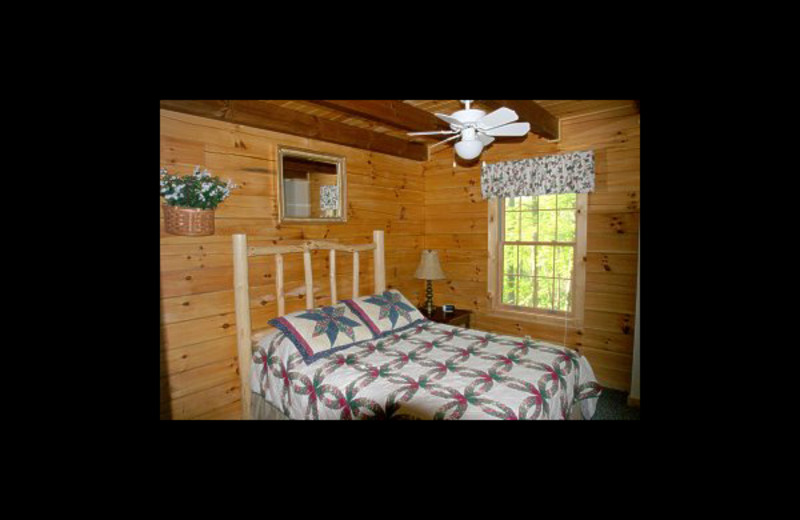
(563, 173)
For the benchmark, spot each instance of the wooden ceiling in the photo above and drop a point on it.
(381, 125)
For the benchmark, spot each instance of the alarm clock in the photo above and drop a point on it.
(448, 307)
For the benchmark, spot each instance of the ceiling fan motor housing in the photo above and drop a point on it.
(477, 130)
(467, 116)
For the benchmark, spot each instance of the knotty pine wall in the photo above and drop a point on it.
(199, 377)
(456, 225)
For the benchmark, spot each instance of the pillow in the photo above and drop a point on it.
(386, 312)
(320, 332)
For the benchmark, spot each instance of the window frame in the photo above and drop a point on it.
(495, 267)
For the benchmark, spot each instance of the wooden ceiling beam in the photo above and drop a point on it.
(542, 122)
(279, 119)
(391, 112)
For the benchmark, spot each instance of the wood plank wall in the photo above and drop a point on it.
(456, 225)
(199, 377)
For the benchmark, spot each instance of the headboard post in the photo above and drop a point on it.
(380, 265)
(241, 290)
(241, 293)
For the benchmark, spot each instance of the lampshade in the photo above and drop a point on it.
(469, 149)
(429, 268)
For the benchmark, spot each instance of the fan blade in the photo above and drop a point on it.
(497, 118)
(434, 133)
(516, 129)
(485, 139)
(440, 142)
(451, 120)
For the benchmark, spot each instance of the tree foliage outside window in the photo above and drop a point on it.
(538, 247)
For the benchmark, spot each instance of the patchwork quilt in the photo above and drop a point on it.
(427, 370)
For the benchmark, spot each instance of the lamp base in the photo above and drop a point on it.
(429, 298)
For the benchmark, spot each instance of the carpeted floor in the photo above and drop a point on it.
(613, 405)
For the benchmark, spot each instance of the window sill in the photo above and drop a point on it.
(531, 317)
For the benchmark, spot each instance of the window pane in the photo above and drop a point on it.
(547, 226)
(528, 203)
(544, 261)
(525, 291)
(526, 260)
(563, 295)
(528, 227)
(512, 226)
(564, 260)
(567, 200)
(539, 277)
(509, 293)
(544, 295)
(510, 259)
(547, 201)
(566, 226)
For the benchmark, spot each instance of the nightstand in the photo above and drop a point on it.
(458, 317)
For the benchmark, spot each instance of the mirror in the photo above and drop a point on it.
(311, 186)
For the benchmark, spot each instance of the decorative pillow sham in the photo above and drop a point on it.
(386, 312)
(320, 332)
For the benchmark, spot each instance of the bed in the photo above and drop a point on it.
(385, 364)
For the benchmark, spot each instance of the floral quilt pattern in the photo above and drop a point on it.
(427, 370)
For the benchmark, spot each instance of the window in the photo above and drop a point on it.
(536, 242)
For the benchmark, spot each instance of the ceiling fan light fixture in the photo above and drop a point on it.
(477, 129)
(469, 149)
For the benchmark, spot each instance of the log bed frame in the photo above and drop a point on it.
(246, 338)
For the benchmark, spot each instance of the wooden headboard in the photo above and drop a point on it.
(245, 338)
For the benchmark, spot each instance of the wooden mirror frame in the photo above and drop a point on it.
(341, 182)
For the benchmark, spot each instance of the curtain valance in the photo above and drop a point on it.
(563, 173)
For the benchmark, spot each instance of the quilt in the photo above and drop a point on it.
(427, 370)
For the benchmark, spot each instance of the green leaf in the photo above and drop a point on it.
(544, 293)
(563, 296)
(528, 228)
(509, 293)
(567, 200)
(566, 226)
(512, 226)
(547, 201)
(525, 260)
(528, 203)
(510, 259)
(547, 226)
(545, 261)
(525, 291)
(564, 261)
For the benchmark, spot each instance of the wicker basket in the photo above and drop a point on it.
(190, 222)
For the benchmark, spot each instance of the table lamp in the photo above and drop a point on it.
(429, 269)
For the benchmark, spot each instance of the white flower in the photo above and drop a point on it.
(203, 173)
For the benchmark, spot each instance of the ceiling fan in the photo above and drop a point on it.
(478, 129)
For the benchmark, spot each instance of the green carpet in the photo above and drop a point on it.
(613, 406)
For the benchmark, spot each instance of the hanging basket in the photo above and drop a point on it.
(190, 222)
